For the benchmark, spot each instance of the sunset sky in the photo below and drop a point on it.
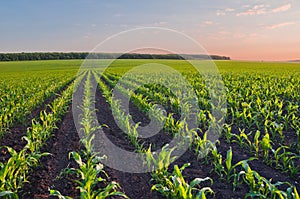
(243, 30)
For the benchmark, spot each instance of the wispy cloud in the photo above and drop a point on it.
(279, 25)
(263, 9)
(255, 10)
(207, 23)
(282, 8)
(224, 11)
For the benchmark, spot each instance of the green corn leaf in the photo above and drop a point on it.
(229, 159)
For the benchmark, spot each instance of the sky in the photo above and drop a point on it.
(244, 30)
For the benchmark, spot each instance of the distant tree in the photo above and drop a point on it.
(82, 55)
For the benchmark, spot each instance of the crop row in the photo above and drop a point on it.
(19, 95)
(246, 167)
(14, 172)
(281, 156)
(90, 171)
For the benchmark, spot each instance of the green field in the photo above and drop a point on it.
(223, 66)
(257, 154)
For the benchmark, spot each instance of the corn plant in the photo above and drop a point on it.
(227, 172)
(175, 186)
(227, 133)
(284, 160)
(256, 143)
(203, 146)
(260, 187)
(266, 147)
(159, 162)
(90, 175)
(242, 139)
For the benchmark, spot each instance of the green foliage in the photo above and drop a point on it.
(260, 187)
(262, 102)
(90, 169)
(14, 172)
(175, 186)
(227, 172)
(90, 172)
(21, 93)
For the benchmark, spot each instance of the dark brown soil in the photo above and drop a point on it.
(133, 185)
(45, 177)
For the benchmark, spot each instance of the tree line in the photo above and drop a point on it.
(84, 55)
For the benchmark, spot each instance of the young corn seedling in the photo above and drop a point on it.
(218, 163)
(159, 162)
(203, 146)
(256, 143)
(266, 147)
(242, 139)
(175, 186)
(227, 172)
(90, 173)
(230, 169)
(284, 160)
(227, 133)
(277, 129)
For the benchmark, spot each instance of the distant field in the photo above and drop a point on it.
(223, 66)
(258, 145)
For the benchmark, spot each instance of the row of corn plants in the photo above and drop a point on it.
(14, 172)
(92, 179)
(248, 108)
(281, 156)
(169, 184)
(229, 170)
(262, 147)
(19, 95)
(266, 103)
(144, 100)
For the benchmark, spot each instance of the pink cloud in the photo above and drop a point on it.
(282, 8)
(263, 9)
(225, 11)
(280, 25)
(256, 10)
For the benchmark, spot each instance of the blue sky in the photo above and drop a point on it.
(249, 30)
